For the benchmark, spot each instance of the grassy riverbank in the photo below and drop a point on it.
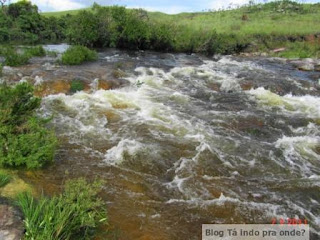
(255, 28)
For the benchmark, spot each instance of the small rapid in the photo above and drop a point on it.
(192, 140)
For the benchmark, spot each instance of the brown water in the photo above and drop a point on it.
(186, 140)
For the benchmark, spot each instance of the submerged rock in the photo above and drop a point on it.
(11, 222)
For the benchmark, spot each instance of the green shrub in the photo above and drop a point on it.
(13, 58)
(74, 214)
(83, 29)
(76, 55)
(36, 51)
(76, 86)
(4, 179)
(300, 50)
(24, 140)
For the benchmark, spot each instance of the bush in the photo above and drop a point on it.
(83, 29)
(74, 214)
(13, 58)
(24, 140)
(76, 55)
(76, 86)
(36, 51)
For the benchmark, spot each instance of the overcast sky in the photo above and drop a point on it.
(168, 6)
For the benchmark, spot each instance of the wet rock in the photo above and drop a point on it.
(8, 70)
(304, 65)
(214, 87)
(49, 67)
(317, 68)
(105, 85)
(247, 86)
(52, 87)
(11, 222)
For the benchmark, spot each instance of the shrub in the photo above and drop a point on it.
(36, 51)
(74, 214)
(83, 29)
(13, 58)
(24, 140)
(76, 86)
(76, 55)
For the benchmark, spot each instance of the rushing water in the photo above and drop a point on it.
(191, 140)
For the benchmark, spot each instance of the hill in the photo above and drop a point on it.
(300, 19)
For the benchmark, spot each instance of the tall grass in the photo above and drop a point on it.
(4, 179)
(74, 214)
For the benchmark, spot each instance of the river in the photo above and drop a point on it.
(186, 140)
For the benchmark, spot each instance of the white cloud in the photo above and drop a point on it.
(218, 4)
(58, 5)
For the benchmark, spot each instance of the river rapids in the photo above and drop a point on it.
(189, 140)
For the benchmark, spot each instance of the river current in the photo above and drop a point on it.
(189, 140)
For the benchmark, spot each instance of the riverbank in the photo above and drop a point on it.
(252, 28)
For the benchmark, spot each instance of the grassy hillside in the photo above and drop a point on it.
(63, 13)
(260, 19)
(260, 27)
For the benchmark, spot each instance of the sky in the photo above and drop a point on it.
(167, 6)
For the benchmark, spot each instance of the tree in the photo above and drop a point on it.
(3, 2)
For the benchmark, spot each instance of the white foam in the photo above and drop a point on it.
(303, 105)
(116, 155)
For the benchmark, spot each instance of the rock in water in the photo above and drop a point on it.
(11, 224)
(306, 67)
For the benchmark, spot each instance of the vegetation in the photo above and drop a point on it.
(21, 22)
(13, 58)
(36, 51)
(254, 27)
(76, 55)
(17, 57)
(74, 214)
(300, 50)
(24, 140)
(4, 179)
(76, 86)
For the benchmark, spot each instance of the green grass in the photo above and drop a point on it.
(4, 179)
(24, 140)
(255, 28)
(76, 86)
(265, 21)
(35, 51)
(74, 214)
(13, 58)
(300, 50)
